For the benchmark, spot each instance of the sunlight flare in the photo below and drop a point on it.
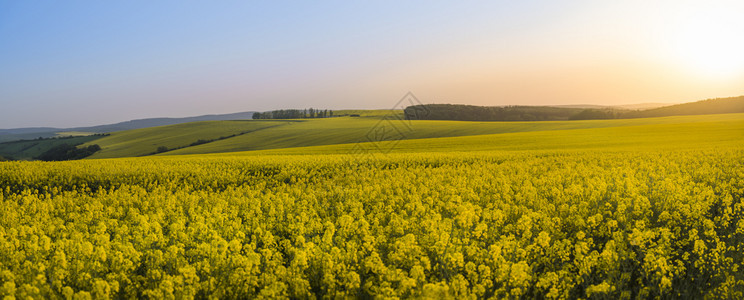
(709, 43)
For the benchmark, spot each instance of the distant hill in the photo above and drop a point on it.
(705, 107)
(7, 135)
(27, 136)
(27, 130)
(572, 112)
(153, 122)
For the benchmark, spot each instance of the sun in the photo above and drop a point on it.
(711, 42)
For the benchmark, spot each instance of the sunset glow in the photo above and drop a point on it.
(110, 60)
(709, 42)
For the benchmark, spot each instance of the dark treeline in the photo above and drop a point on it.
(489, 113)
(294, 114)
(68, 152)
(546, 113)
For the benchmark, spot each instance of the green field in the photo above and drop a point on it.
(29, 149)
(614, 209)
(626, 135)
(145, 141)
(238, 135)
(280, 134)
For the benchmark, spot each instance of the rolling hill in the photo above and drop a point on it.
(710, 106)
(349, 130)
(237, 136)
(29, 149)
(371, 125)
(703, 132)
(146, 141)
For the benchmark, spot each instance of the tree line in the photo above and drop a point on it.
(489, 113)
(308, 113)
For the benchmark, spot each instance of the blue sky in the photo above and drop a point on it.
(76, 63)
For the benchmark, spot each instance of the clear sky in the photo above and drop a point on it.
(77, 63)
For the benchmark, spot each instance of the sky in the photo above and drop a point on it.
(80, 63)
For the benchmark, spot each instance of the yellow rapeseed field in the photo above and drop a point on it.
(594, 222)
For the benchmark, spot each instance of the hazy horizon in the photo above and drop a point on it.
(339, 109)
(86, 63)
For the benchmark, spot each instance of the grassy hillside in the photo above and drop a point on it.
(146, 141)
(653, 133)
(279, 134)
(355, 130)
(28, 149)
(710, 106)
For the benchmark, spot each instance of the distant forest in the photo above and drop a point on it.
(548, 113)
(294, 114)
(489, 113)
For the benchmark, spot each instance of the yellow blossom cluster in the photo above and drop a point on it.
(621, 225)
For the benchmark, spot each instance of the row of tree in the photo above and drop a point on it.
(489, 113)
(294, 114)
